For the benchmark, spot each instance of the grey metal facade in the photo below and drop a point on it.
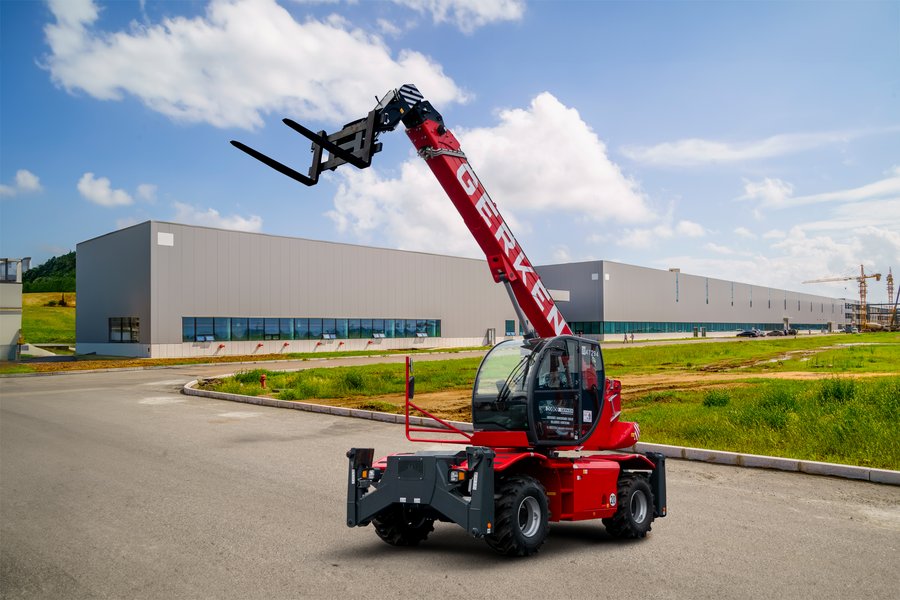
(631, 297)
(161, 272)
(155, 274)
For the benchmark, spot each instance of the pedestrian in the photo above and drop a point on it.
(626, 338)
(632, 338)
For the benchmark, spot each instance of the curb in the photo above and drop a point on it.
(212, 364)
(720, 457)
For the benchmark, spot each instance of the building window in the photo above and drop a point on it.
(286, 329)
(315, 329)
(221, 329)
(301, 329)
(204, 329)
(126, 330)
(240, 329)
(188, 330)
(343, 328)
(257, 329)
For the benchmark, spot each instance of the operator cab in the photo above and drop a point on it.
(551, 388)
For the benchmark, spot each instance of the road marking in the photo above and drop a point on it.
(239, 415)
(167, 382)
(161, 400)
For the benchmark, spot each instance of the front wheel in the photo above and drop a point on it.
(635, 508)
(399, 526)
(521, 517)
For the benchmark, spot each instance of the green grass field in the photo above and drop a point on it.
(842, 420)
(43, 324)
(833, 418)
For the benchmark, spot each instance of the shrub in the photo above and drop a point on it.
(716, 398)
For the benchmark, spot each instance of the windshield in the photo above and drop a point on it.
(499, 399)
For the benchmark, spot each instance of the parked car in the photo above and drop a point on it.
(775, 332)
(750, 333)
(790, 331)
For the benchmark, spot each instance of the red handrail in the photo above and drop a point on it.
(445, 428)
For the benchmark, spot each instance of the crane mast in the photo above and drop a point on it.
(357, 142)
(861, 279)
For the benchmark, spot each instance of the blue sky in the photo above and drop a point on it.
(754, 141)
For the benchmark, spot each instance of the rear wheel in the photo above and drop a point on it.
(399, 526)
(635, 508)
(521, 517)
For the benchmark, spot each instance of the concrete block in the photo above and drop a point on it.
(712, 456)
(884, 476)
(835, 470)
(769, 462)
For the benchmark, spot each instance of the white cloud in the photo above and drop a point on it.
(774, 234)
(469, 15)
(690, 229)
(147, 192)
(718, 249)
(241, 60)
(191, 215)
(695, 152)
(647, 237)
(745, 233)
(800, 255)
(770, 192)
(99, 191)
(526, 163)
(25, 182)
(774, 193)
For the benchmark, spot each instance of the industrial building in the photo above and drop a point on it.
(11, 270)
(161, 289)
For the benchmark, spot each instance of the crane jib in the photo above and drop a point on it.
(505, 256)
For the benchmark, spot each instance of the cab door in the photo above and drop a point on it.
(557, 394)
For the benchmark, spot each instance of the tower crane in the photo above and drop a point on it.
(861, 278)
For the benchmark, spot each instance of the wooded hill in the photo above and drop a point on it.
(55, 275)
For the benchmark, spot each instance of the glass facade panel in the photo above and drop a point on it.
(315, 329)
(187, 329)
(115, 329)
(378, 327)
(257, 328)
(204, 327)
(221, 329)
(240, 329)
(301, 329)
(208, 329)
(272, 330)
(510, 328)
(329, 328)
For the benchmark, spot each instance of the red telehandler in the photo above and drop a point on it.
(542, 408)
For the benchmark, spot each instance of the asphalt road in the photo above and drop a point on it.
(114, 485)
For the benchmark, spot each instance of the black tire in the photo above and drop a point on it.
(521, 517)
(635, 512)
(399, 526)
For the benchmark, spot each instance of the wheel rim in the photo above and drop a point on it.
(529, 516)
(638, 506)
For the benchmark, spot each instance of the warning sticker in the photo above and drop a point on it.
(587, 416)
